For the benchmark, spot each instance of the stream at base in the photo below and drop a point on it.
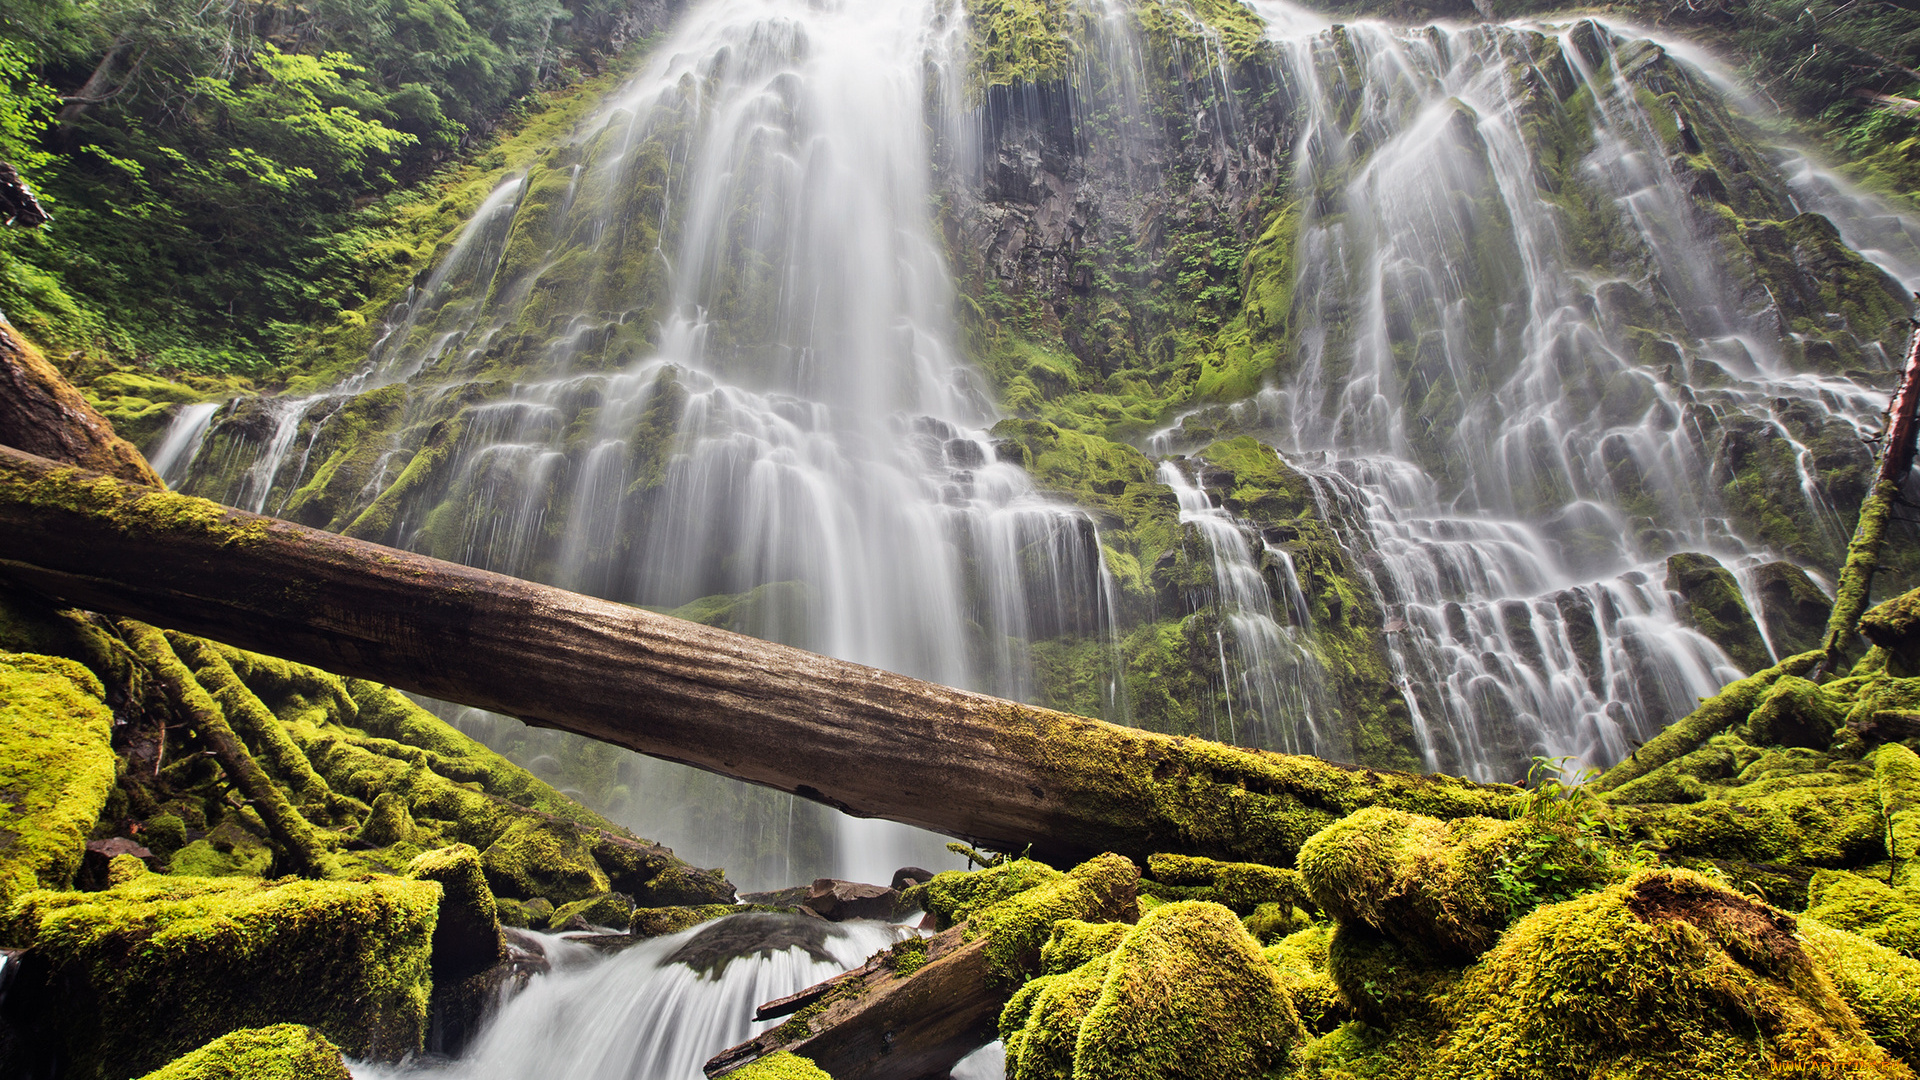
(660, 1009)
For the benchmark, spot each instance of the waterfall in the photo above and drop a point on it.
(701, 358)
(657, 1010)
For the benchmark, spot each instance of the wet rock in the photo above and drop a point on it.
(1792, 607)
(466, 938)
(1711, 603)
(1895, 627)
(908, 876)
(95, 862)
(836, 900)
(793, 896)
(604, 909)
(756, 934)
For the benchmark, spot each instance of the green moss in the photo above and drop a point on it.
(466, 936)
(1896, 773)
(1040, 1024)
(1242, 887)
(956, 895)
(1018, 927)
(132, 511)
(659, 921)
(1187, 993)
(1665, 975)
(780, 1066)
(280, 1052)
(1074, 942)
(1302, 958)
(540, 858)
(908, 956)
(1884, 914)
(1015, 43)
(603, 909)
(1734, 701)
(130, 978)
(56, 769)
(1712, 604)
(1826, 824)
(1382, 982)
(1880, 985)
(1443, 889)
(389, 822)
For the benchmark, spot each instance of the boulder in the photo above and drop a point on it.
(466, 937)
(56, 768)
(833, 899)
(1711, 603)
(280, 1052)
(538, 858)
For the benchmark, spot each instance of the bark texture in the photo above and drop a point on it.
(42, 414)
(872, 743)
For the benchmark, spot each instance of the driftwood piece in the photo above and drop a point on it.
(872, 743)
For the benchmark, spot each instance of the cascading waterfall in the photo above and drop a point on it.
(701, 359)
(1512, 525)
(1273, 680)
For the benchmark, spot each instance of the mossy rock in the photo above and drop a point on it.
(1302, 958)
(646, 922)
(1884, 914)
(466, 938)
(1896, 773)
(280, 1052)
(389, 823)
(117, 983)
(543, 858)
(1040, 1024)
(1830, 825)
(1794, 712)
(1243, 887)
(1019, 927)
(1442, 889)
(1665, 975)
(611, 909)
(1074, 943)
(954, 895)
(1895, 627)
(1711, 603)
(56, 769)
(1381, 981)
(1186, 994)
(1792, 608)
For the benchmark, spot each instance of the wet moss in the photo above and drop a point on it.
(1712, 604)
(1884, 914)
(1665, 975)
(466, 935)
(127, 979)
(1187, 993)
(540, 858)
(1441, 889)
(1896, 774)
(612, 909)
(1734, 701)
(1880, 985)
(1018, 927)
(130, 510)
(56, 769)
(280, 1052)
(1794, 712)
(1302, 958)
(780, 1066)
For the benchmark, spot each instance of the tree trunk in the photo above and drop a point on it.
(1863, 554)
(872, 743)
(41, 413)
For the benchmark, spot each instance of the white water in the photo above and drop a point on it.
(635, 1014)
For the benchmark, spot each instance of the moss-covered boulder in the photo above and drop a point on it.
(1302, 958)
(1187, 994)
(1895, 627)
(1794, 712)
(1040, 1024)
(647, 922)
(1711, 603)
(1884, 914)
(1665, 975)
(1075, 942)
(1018, 927)
(1896, 772)
(954, 895)
(1442, 889)
(280, 1052)
(118, 983)
(612, 909)
(56, 769)
(1792, 608)
(543, 858)
(390, 822)
(466, 937)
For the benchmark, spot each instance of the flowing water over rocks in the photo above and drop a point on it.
(1516, 312)
(657, 1010)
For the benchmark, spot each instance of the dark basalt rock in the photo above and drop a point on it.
(732, 938)
(837, 900)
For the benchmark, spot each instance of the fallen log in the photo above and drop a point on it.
(874, 744)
